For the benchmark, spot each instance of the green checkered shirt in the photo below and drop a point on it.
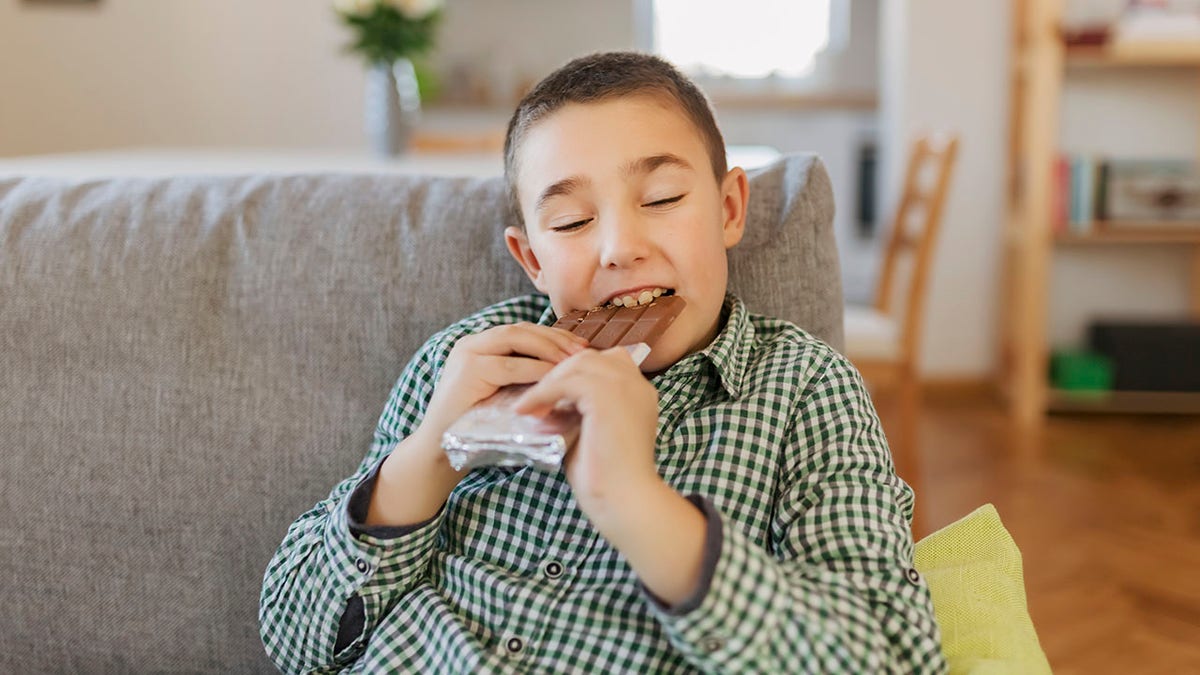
(808, 562)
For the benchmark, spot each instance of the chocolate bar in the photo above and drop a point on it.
(608, 327)
(492, 434)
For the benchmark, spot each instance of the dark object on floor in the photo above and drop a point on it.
(1150, 355)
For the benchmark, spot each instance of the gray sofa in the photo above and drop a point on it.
(189, 363)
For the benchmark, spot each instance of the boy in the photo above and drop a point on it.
(730, 506)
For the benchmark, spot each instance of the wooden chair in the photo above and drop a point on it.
(883, 341)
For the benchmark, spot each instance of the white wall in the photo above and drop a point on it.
(270, 73)
(944, 66)
(239, 73)
(175, 72)
(521, 41)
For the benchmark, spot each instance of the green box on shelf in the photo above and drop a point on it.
(1080, 370)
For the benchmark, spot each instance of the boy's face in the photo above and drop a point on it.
(619, 197)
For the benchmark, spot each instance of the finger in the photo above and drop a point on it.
(561, 385)
(502, 370)
(564, 339)
(568, 383)
(555, 389)
(543, 342)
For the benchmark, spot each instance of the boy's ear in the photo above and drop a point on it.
(522, 252)
(735, 194)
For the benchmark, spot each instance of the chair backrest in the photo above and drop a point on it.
(913, 233)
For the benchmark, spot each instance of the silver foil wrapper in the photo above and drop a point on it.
(492, 434)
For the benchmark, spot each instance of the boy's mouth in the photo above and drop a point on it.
(633, 298)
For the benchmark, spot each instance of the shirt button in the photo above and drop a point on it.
(913, 575)
(552, 569)
(711, 644)
(514, 645)
(362, 565)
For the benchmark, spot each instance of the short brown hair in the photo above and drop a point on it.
(604, 75)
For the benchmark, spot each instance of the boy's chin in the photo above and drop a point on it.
(677, 343)
(662, 357)
(651, 366)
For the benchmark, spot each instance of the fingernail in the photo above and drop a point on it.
(638, 352)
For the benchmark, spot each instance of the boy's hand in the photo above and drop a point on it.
(613, 473)
(414, 483)
(615, 452)
(480, 364)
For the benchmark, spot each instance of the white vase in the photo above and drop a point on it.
(393, 106)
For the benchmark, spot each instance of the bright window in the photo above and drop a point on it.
(744, 39)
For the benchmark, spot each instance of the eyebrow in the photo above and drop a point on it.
(647, 164)
(641, 166)
(560, 188)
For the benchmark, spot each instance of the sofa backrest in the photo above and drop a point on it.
(187, 364)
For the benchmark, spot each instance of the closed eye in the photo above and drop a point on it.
(571, 226)
(665, 202)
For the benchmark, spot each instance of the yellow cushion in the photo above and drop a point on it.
(973, 568)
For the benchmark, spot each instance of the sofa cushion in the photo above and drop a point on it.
(189, 363)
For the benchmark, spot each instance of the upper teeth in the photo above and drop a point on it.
(645, 297)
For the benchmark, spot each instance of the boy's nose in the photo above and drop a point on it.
(625, 243)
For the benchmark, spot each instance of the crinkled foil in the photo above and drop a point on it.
(492, 434)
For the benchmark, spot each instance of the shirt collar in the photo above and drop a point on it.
(728, 352)
(548, 316)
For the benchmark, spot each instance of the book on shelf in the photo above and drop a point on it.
(1131, 26)
(1075, 198)
(1093, 191)
(1148, 21)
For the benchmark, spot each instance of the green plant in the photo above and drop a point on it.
(387, 30)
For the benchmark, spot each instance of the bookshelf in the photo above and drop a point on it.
(1125, 401)
(1133, 234)
(1039, 66)
(1164, 54)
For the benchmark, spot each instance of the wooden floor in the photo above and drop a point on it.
(1106, 511)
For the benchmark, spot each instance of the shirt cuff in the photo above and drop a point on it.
(372, 560)
(736, 608)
